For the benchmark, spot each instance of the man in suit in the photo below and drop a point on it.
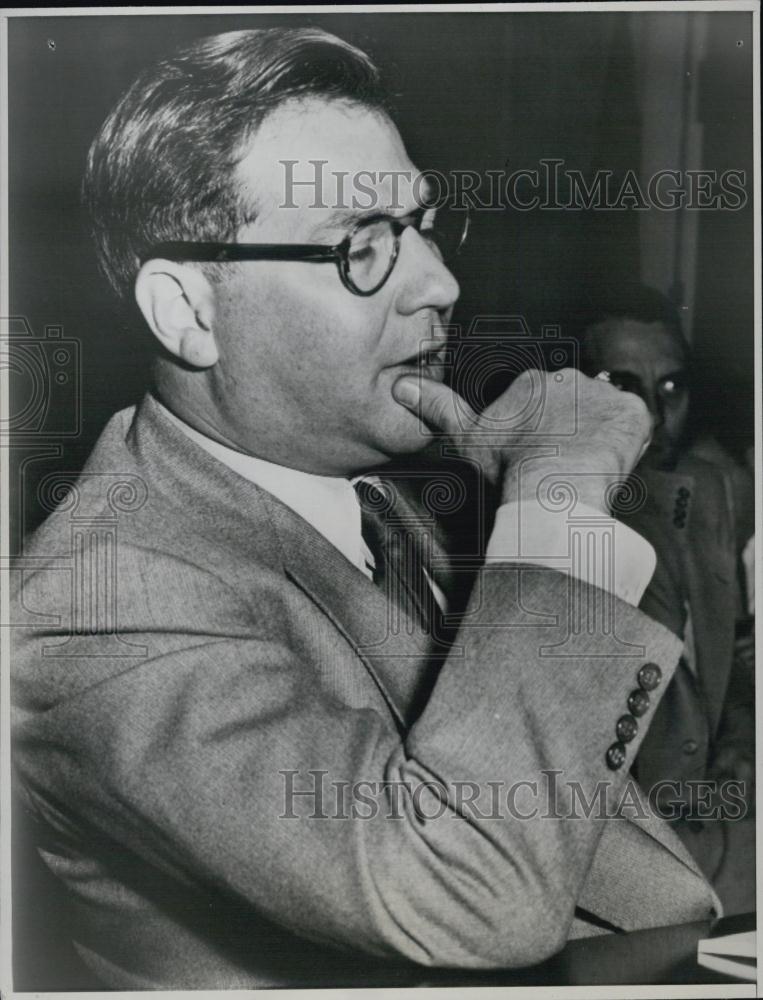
(250, 763)
(696, 511)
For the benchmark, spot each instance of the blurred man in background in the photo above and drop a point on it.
(697, 511)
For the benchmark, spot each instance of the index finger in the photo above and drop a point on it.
(435, 404)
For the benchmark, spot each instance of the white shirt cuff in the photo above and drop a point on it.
(591, 546)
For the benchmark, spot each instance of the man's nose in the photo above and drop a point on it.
(424, 280)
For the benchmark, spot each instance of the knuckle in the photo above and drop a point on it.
(526, 377)
(557, 380)
(434, 410)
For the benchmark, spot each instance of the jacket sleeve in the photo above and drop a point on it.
(446, 847)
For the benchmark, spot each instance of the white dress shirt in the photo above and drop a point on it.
(590, 546)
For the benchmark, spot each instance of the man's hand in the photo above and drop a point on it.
(581, 426)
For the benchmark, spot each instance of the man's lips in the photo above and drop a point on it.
(429, 366)
(423, 360)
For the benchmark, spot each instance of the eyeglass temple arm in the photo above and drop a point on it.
(222, 252)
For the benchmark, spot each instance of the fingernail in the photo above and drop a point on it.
(407, 392)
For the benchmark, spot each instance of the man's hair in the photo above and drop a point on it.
(628, 300)
(161, 167)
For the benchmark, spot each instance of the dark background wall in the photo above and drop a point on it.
(475, 91)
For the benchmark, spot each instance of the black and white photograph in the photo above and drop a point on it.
(380, 411)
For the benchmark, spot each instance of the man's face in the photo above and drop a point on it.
(306, 368)
(649, 360)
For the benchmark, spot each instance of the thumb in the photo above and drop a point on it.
(435, 404)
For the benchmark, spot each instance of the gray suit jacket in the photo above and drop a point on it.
(188, 646)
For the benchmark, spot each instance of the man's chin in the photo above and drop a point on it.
(407, 434)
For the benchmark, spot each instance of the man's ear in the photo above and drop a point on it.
(177, 302)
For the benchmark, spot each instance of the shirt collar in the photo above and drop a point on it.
(328, 503)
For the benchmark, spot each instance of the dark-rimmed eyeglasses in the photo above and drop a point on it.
(365, 257)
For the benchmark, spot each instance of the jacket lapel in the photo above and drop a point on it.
(399, 655)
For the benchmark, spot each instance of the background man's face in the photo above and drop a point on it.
(649, 360)
(305, 365)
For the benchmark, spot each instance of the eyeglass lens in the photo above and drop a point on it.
(371, 254)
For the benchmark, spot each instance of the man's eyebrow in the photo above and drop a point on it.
(343, 217)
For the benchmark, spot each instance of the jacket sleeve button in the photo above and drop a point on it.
(638, 702)
(616, 756)
(626, 728)
(649, 676)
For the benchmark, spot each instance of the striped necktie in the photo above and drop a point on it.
(401, 552)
